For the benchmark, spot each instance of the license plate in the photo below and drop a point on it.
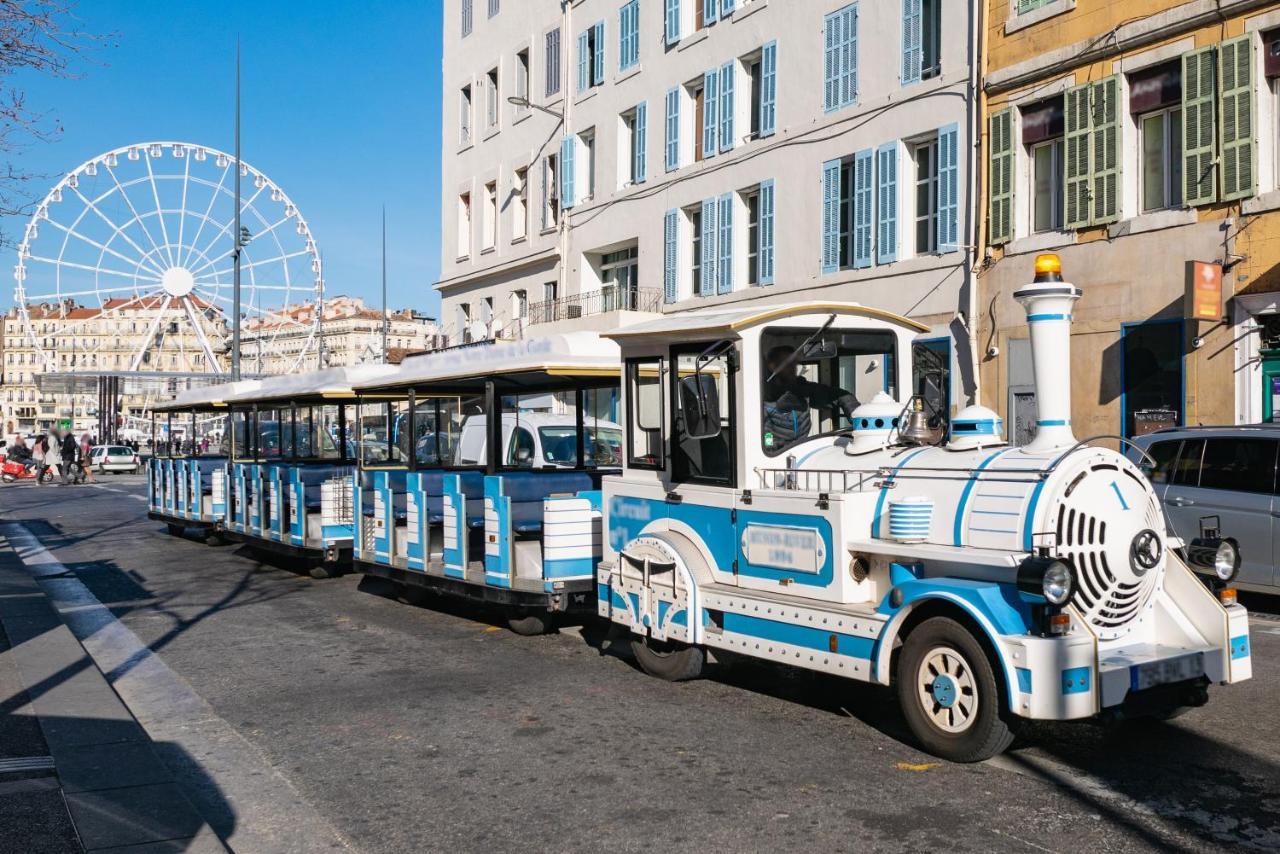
(1179, 669)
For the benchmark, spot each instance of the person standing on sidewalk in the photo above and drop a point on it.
(71, 470)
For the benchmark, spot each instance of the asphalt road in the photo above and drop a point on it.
(431, 728)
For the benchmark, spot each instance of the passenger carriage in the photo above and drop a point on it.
(292, 459)
(480, 473)
(756, 514)
(186, 474)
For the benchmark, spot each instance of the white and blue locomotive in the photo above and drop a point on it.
(989, 583)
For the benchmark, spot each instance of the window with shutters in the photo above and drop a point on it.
(1046, 186)
(464, 116)
(1000, 177)
(727, 110)
(752, 198)
(921, 40)
(766, 233)
(1092, 163)
(725, 261)
(464, 225)
(552, 70)
(710, 113)
(887, 203)
(520, 205)
(631, 145)
(671, 148)
(847, 213)
(522, 81)
(698, 98)
(1160, 144)
(671, 256)
(925, 157)
(619, 278)
(587, 150)
(693, 216)
(671, 22)
(492, 98)
(466, 18)
(1024, 6)
(550, 192)
(489, 224)
(755, 79)
(709, 248)
(840, 58)
(493, 7)
(629, 35)
(591, 57)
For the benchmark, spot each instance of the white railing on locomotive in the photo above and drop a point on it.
(336, 504)
(817, 480)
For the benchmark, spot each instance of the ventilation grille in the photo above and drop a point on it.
(1107, 594)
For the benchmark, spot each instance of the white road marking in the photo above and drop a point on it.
(271, 815)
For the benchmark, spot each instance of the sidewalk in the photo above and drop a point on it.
(77, 771)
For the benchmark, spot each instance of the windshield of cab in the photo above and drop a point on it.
(812, 379)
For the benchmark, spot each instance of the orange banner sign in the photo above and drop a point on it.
(1205, 290)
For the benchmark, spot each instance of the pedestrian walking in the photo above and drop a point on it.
(71, 468)
(86, 445)
(40, 456)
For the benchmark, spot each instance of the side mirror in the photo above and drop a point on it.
(700, 406)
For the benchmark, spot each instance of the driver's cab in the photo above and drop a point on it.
(716, 402)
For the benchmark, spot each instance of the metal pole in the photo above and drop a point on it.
(385, 317)
(235, 236)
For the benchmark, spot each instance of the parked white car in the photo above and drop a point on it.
(114, 458)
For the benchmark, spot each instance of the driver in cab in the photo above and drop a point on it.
(788, 398)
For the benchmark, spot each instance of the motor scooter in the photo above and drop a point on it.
(12, 471)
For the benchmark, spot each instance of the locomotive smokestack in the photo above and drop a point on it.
(1048, 302)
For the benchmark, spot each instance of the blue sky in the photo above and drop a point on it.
(341, 108)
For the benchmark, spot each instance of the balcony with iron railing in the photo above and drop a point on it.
(603, 301)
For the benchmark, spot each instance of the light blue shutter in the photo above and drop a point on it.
(768, 89)
(567, 149)
(598, 67)
(673, 129)
(948, 189)
(584, 62)
(912, 35)
(673, 21)
(887, 203)
(726, 7)
(764, 251)
(710, 101)
(726, 105)
(670, 255)
(831, 216)
(849, 56)
(862, 172)
(831, 62)
(641, 142)
(710, 11)
(709, 234)
(629, 35)
(725, 268)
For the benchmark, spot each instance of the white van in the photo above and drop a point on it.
(540, 440)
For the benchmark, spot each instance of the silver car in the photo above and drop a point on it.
(114, 458)
(1229, 473)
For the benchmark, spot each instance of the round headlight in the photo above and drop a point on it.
(1226, 561)
(1057, 583)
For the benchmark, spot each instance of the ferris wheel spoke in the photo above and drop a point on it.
(226, 228)
(258, 236)
(155, 194)
(70, 232)
(128, 201)
(208, 211)
(194, 317)
(182, 209)
(77, 266)
(258, 263)
(143, 257)
(151, 333)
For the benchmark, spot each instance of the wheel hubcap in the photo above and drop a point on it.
(946, 689)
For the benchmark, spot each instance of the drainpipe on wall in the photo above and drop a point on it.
(975, 102)
(566, 43)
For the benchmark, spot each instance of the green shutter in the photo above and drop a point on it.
(1105, 166)
(1000, 177)
(1198, 137)
(1076, 167)
(1238, 150)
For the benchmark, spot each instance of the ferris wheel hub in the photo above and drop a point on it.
(178, 281)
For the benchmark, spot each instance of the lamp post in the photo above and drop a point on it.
(386, 355)
(236, 236)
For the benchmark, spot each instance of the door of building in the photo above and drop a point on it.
(1271, 385)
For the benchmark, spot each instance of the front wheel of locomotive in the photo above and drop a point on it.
(669, 660)
(949, 693)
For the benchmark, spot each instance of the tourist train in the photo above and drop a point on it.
(751, 479)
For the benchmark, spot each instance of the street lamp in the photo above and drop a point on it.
(520, 101)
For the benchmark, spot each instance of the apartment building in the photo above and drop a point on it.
(609, 157)
(348, 332)
(1137, 140)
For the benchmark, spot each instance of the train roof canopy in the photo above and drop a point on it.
(733, 319)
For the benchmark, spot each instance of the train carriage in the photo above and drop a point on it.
(777, 500)
(481, 473)
(293, 452)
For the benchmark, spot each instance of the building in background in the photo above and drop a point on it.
(350, 333)
(604, 158)
(1135, 140)
(123, 336)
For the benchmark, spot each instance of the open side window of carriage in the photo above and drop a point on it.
(704, 413)
(646, 424)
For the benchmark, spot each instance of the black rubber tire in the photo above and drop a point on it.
(175, 530)
(669, 660)
(322, 571)
(531, 623)
(8, 478)
(990, 733)
(47, 477)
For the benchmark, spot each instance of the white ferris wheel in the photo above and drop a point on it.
(132, 254)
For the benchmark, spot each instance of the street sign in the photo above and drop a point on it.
(1204, 290)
